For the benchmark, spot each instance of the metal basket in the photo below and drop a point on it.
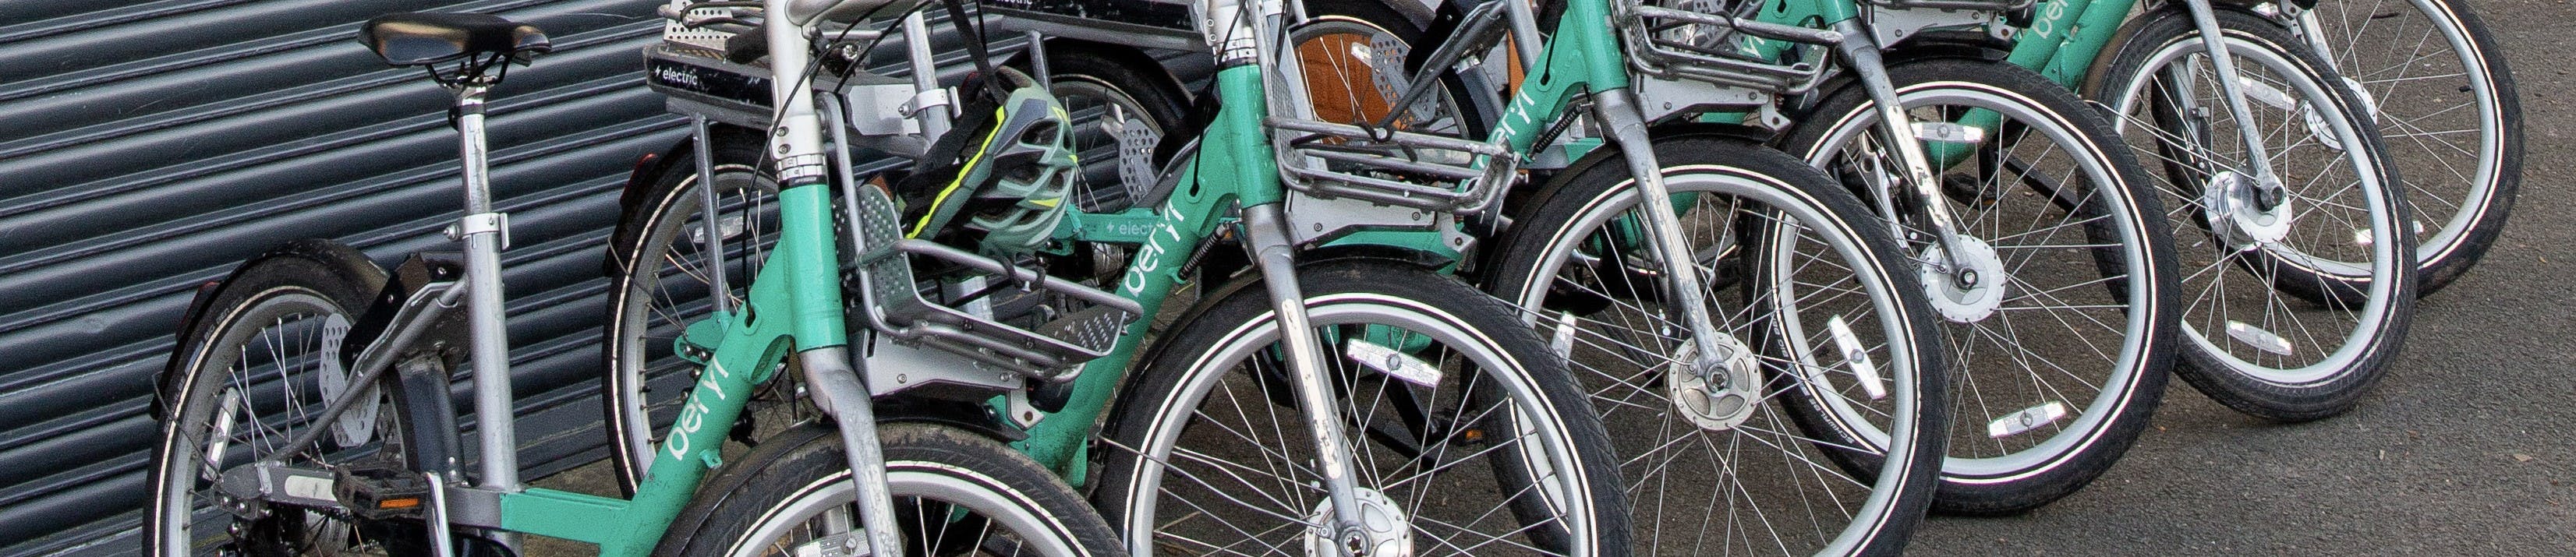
(1716, 41)
(1434, 173)
(893, 303)
(1996, 6)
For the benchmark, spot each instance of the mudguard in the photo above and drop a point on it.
(327, 252)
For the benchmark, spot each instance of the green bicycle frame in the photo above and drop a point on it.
(794, 305)
(1235, 166)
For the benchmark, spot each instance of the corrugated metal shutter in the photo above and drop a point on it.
(146, 147)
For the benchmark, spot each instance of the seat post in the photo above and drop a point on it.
(484, 232)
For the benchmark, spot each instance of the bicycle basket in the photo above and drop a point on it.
(1717, 41)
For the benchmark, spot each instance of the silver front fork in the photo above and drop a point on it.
(796, 141)
(2224, 64)
(1266, 231)
(1865, 62)
(1618, 113)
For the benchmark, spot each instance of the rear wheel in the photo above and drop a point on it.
(256, 367)
(955, 493)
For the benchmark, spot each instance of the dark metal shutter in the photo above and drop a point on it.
(146, 147)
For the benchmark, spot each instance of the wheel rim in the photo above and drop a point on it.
(1355, 70)
(268, 392)
(1275, 508)
(2218, 278)
(2407, 89)
(673, 290)
(2017, 412)
(1868, 499)
(828, 506)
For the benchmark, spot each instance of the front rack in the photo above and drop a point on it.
(1378, 165)
(1717, 41)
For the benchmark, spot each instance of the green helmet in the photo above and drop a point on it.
(1010, 185)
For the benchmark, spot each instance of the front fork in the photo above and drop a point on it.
(1861, 55)
(2223, 63)
(1618, 113)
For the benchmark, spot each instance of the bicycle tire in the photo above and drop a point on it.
(2259, 368)
(1586, 302)
(1562, 489)
(962, 480)
(2462, 218)
(226, 374)
(2051, 176)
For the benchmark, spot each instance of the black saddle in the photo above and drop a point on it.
(414, 39)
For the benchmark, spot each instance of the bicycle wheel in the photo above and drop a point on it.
(1466, 436)
(2436, 83)
(955, 493)
(1122, 105)
(662, 265)
(2331, 238)
(1353, 54)
(2065, 340)
(1725, 470)
(253, 370)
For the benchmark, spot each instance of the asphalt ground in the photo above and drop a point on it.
(2468, 446)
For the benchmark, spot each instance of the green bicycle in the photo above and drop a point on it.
(1421, 384)
(2301, 253)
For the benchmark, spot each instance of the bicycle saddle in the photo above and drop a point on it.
(413, 39)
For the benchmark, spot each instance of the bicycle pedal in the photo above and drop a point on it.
(381, 489)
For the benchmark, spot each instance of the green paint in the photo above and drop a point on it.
(572, 516)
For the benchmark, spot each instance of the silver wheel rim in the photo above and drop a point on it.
(2113, 380)
(1145, 529)
(2200, 325)
(1873, 511)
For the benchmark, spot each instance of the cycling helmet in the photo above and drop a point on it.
(1010, 185)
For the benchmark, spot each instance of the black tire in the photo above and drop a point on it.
(2107, 351)
(2249, 366)
(805, 464)
(276, 308)
(1355, 298)
(2460, 220)
(1741, 179)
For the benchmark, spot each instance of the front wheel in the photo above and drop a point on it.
(1814, 299)
(2063, 329)
(2301, 283)
(1467, 437)
(955, 493)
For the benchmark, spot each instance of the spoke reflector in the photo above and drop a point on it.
(2258, 338)
(1854, 354)
(1946, 132)
(2025, 420)
(1393, 363)
(1562, 342)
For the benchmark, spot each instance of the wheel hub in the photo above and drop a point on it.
(1971, 288)
(2246, 211)
(1383, 531)
(1714, 408)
